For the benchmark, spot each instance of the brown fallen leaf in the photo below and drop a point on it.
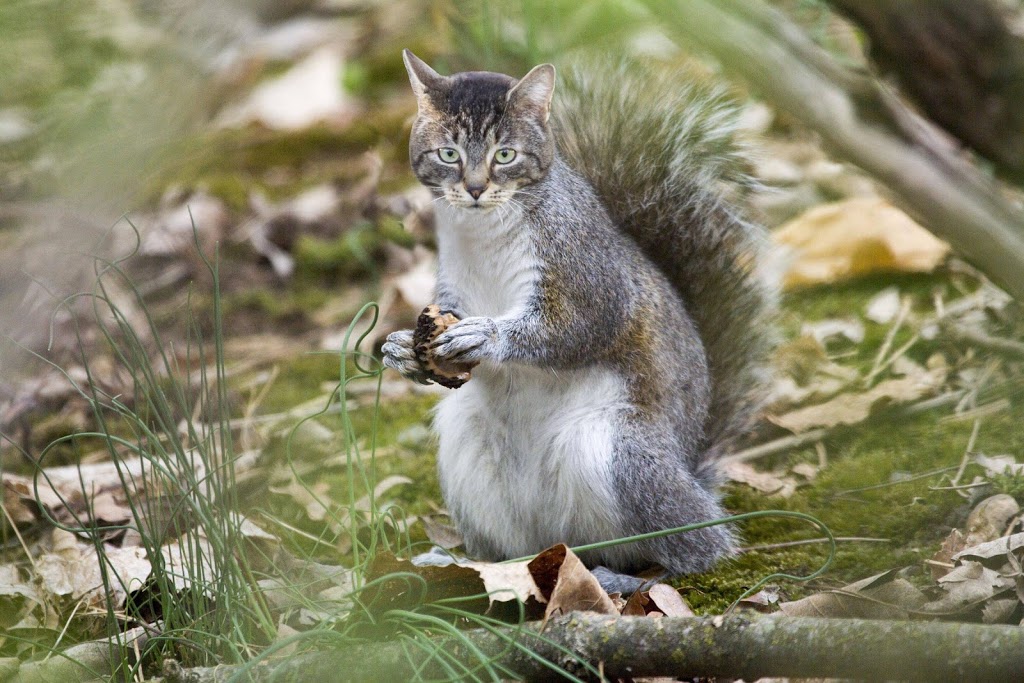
(766, 482)
(495, 583)
(667, 600)
(855, 237)
(765, 600)
(850, 408)
(883, 596)
(993, 553)
(969, 584)
(941, 562)
(567, 584)
(636, 605)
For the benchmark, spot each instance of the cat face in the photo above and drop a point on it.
(480, 137)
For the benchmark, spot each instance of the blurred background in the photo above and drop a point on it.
(887, 139)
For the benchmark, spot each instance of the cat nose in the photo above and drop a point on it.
(475, 190)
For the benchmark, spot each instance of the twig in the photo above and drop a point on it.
(923, 475)
(1007, 347)
(890, 336)
(968, 452)
(786, 443)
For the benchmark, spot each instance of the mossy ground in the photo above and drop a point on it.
(865, 490)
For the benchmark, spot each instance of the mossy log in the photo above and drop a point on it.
(736, 646)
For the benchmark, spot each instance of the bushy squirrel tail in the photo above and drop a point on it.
(661, 152)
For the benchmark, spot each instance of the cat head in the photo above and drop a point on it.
(479, 136)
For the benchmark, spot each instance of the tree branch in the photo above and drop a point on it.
(736, 646)
(862, 122)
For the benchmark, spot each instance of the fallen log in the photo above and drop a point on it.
(736, 646)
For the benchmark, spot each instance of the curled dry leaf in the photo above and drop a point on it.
(987, 522)
(993, 553)
(567, 584)
(883, 596)
(855, 237)
(968, 585)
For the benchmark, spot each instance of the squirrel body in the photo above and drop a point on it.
(590, 415)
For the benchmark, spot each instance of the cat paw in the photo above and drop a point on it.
(470, 340)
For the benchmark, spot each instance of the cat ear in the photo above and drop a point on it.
(421, 76)
(534, 90)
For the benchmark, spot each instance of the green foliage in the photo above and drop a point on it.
(513, 37)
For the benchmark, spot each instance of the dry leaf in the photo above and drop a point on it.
(567, 584)
(765, 482)
(73, 570)
(496, 583)
(996, 550)
(765, 600)
(953, 544)
(999, 611)
(850, 408)
(667, 600)
(883, 596)
(17, 596)
(636, 605)
(969, 584)
(884, 306)
(846, 239)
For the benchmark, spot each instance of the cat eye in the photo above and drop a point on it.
(448, 155)
(505, 155)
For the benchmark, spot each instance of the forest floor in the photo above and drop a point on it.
(895, 410)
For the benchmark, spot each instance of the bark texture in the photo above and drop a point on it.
(959, 62)
(732, 647)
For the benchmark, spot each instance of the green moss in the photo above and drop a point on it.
(272, 305)
(351, 255)
(231, 163)
(860, 493)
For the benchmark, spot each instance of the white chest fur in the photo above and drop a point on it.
(486, 259)
(525, 453)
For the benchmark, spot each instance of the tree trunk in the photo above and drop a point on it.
(959, 62)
